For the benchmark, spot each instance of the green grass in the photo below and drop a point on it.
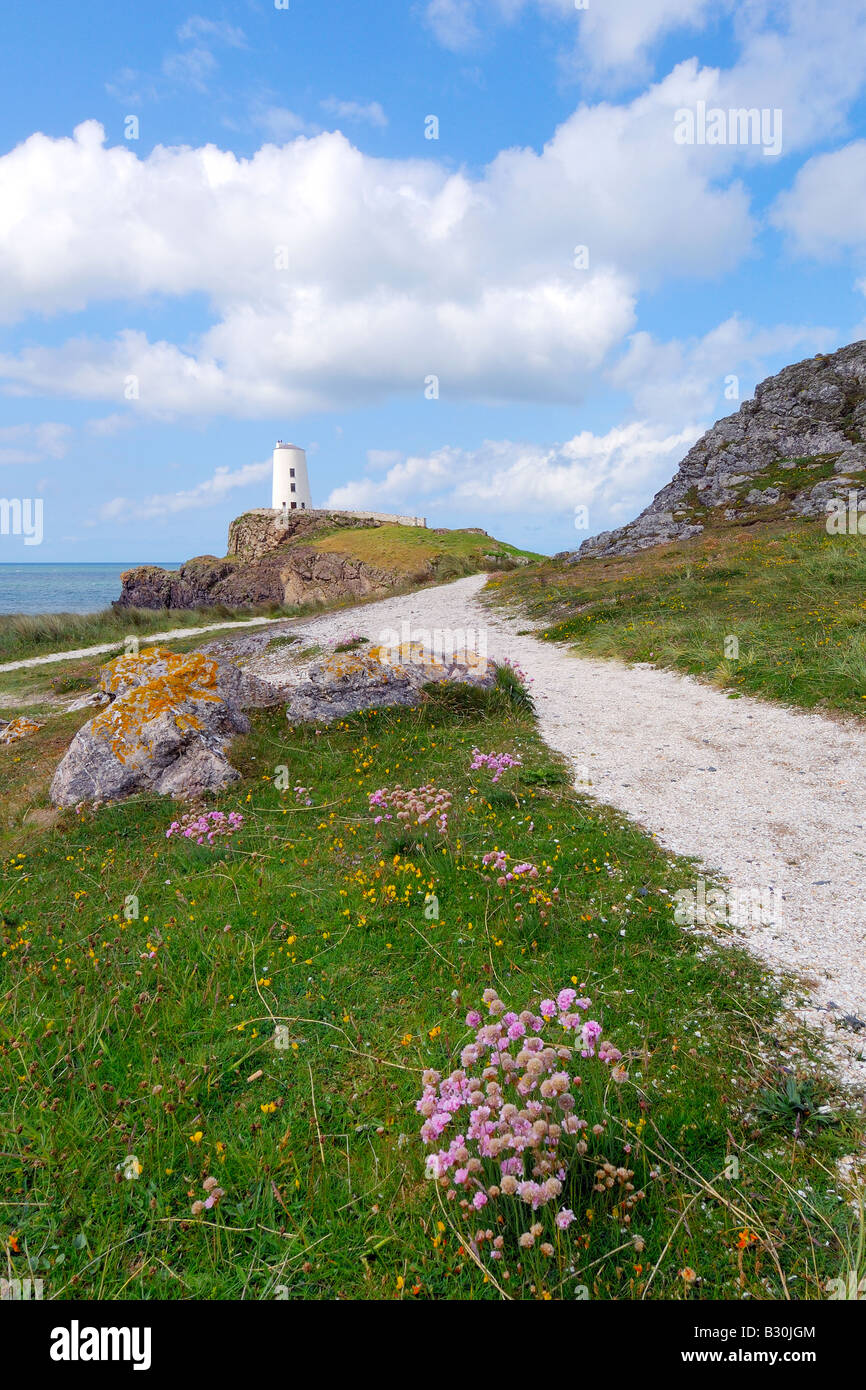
(37, 634)
(150, 1040)
(411, 549)
(36, 688)
(793, 598)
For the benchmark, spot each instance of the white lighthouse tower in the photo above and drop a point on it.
(291, 490)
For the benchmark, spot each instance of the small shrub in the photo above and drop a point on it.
(550, 776)
(68, 685)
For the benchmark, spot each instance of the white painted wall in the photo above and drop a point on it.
(291, 487)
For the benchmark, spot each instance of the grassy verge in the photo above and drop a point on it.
(260, 1014)
(771, 610)
(37, 634)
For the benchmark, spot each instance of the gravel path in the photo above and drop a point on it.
(761, 796)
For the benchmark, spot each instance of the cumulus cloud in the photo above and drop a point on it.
(805, 59)
(336, 278)
(676, 390)
(33, 443)
(824, 212)
(611, 474)
(205, 494)
(700, 378)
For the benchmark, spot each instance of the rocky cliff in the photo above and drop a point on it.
(312, 556)
(799, 442)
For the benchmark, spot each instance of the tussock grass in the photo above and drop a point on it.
(152, 1037)
(35, 634)
(794, 599)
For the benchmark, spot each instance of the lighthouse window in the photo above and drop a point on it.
(293, 487)
(291, 472)
(294, 506)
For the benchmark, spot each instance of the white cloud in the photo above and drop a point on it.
(394, 269)
(453, 23)
(33, 443)
(213, 30)
(206, 494)
(607, 36)
(371, 113)
(687, 379)
(611, 474)
(676, 390)
(804, 58)
(824, 212)
(279, 123)
(194, 65)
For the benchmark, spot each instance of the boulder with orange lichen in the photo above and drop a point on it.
(347, 682)
(166, 728)
(18, 728)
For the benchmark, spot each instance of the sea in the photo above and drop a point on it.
(43, 588)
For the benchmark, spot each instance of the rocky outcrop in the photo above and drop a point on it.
(270, 562)
(347, 682)
(292, 576)
(262, 530)
(798, 443)
(276, 559)
(166, 728)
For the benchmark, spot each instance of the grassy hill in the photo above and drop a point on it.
(792, 596)
(406, 549)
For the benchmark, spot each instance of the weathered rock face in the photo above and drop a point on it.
(801, 441)
(169, 719)
(262, 530)
(267, 563)
(351, 681)
(295, 576)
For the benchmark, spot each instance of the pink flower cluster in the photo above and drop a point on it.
(498, 860)
(412, 805)
(208, 826)
(303, 794)
(510, 1113)
(518, 671)
(494, 762)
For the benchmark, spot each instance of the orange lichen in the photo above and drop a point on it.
(186, 679)
(18, 728)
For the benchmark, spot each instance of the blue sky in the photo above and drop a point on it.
(221, 226)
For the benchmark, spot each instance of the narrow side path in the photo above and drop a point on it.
(144, 638)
